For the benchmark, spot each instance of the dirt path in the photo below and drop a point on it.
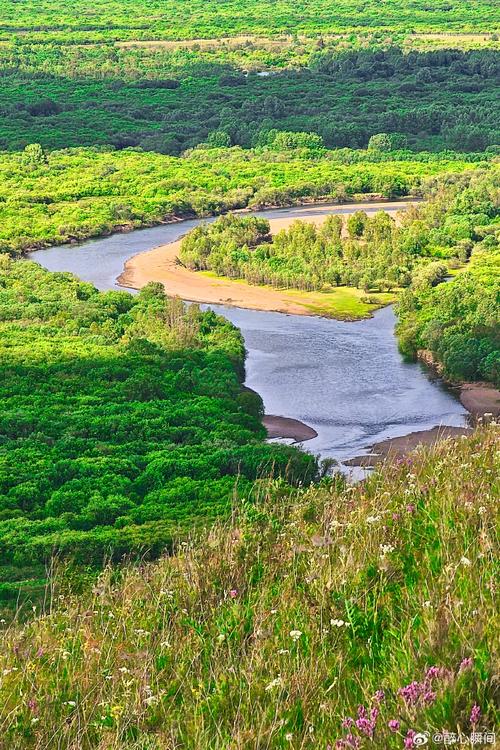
(161, 264)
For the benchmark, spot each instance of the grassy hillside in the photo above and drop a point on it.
(331, 617)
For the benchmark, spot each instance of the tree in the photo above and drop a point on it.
(356, 224)
(219, 139)
(33, 156)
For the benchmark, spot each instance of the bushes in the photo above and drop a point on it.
(123, 419)
(458, 322)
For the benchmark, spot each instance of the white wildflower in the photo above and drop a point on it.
(372, 519)
(274, 683)
(386, 549)
(295, 634)
(338, 623)
(465, 561)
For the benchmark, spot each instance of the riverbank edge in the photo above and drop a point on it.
(174, 219)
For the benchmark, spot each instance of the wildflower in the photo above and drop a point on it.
(233, 593)
(365, 726)
(32, 705)
(295, 634)
(353, 741)
(427, 604)
(40, 652)
(434, 672)
(465, 664)
(394, 725)
(481, 510)
(288, 736)
(465, 561)
(409, 739)
(274, 683)
(347, 722)
(379, 696)
(123, 670)
(72, 704)
(282, 651)
(337, 623)
(151, 700)
(429, 697)
(374, 713)
(411, 693)
(410, 508)
(372, 519)
(386, 549)
(475, 715)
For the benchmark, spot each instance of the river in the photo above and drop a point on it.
(346, 380)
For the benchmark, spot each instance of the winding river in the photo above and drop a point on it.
(346, 380)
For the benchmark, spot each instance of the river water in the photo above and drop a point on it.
(346, 380)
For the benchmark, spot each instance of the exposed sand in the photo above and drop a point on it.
(284, 427)
(162, 264)
(480, 399)
(400, 446)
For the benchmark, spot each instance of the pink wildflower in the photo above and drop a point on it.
(353, 741)
(379, 696)
(394, 725)
(410, 508)
(366, 726)
(347, 723)
(409, 738)
(465, 664)
(233, 593)
(475, 715)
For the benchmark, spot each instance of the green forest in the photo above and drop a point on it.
(123, 424)
(166, 100)
(55, 197)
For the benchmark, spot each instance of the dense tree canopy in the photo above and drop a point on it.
(123, 419)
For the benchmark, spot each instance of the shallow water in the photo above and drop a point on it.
(347, 380)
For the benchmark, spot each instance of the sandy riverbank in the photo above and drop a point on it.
(285, 427)
(161, 264)
(480, 399)
(400, 446)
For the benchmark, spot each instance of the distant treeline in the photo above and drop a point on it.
(169, 100)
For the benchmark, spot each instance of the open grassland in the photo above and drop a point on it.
(332, 616)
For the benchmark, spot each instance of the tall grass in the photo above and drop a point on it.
(331, 617)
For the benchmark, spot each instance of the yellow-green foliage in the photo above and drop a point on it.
(86, 192)
(273, 629)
